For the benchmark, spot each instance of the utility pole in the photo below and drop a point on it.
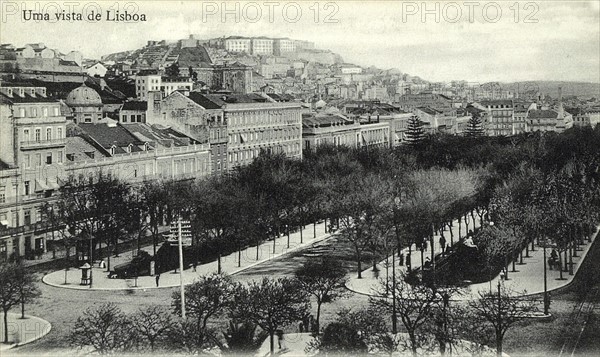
(394, 317)
(180, 244)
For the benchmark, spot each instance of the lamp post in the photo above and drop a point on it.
(180, 246)
(91, 260)
(546, 295)
(394, 314)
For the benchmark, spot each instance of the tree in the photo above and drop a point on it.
(271, 304)
(205, 298)
(28, 290)
(105, 328)
(324, 279)
(342, 339)
(172, 70)
(352, 332)
(95, 209)
(215, 200)
(188, 336)
(17, 286)
(415, 134)
(361, 204)
(154, 198)
(413, 304)
(153, 324)
(474, 125)
(241, 338)
(445, 322)
(501, 311)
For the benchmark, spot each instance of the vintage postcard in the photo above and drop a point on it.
(300, 178)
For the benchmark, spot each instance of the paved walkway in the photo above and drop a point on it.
(22, 331)
(295, 344)
(528, 277)
(229, 265)
(370, 280)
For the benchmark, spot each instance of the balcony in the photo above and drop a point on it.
(42, 144)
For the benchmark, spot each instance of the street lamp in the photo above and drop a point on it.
(546, 295)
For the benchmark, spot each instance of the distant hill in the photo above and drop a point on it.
(579, 89)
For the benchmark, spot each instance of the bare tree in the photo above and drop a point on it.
(206, 298)
(502, 310)
(271, 304)
(324, 279)
(152, 324)
(17, 286)
(413, 304)
(105, 328)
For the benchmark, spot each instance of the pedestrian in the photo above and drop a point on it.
(427, 264)
(401, 262)
(443, 243)
(102, 264)
(280, 340)
(157, 279)
(195, 264)
(424, 245)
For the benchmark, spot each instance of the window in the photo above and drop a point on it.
(26, 135)
(38, 159)
(38, 134)
(45, 112)
(2, 194)
(56, 111)
(112, 150)
(124, 118)
(26, 187)
(22, 112)
(59, 133)
(48, 133)
(49, 158)
(27, 161)
(60, 157)
(33, 112)
(27, 217)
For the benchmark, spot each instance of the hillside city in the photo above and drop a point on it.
(258, 195)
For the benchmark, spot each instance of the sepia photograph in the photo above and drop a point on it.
(300, 178)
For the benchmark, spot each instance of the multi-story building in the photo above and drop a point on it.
(549, 120)
(282, 46)
(411, 101)
(238, 44)
(133, 112)
(36, 156)
(262, 46)
(500, 117)
(33, 150)
(374, 134)
(585, 117)
(150, 81)
(199, 118)
(256, 123)
(332, 129)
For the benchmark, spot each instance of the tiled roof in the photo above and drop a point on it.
(205, 101)
(543, 114)
(27, 99)
(109, 135)
(429, 111)
(80, 148)
(161, 135)
(135, 105)
(309, 120)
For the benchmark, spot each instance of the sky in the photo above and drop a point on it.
(477, 41)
